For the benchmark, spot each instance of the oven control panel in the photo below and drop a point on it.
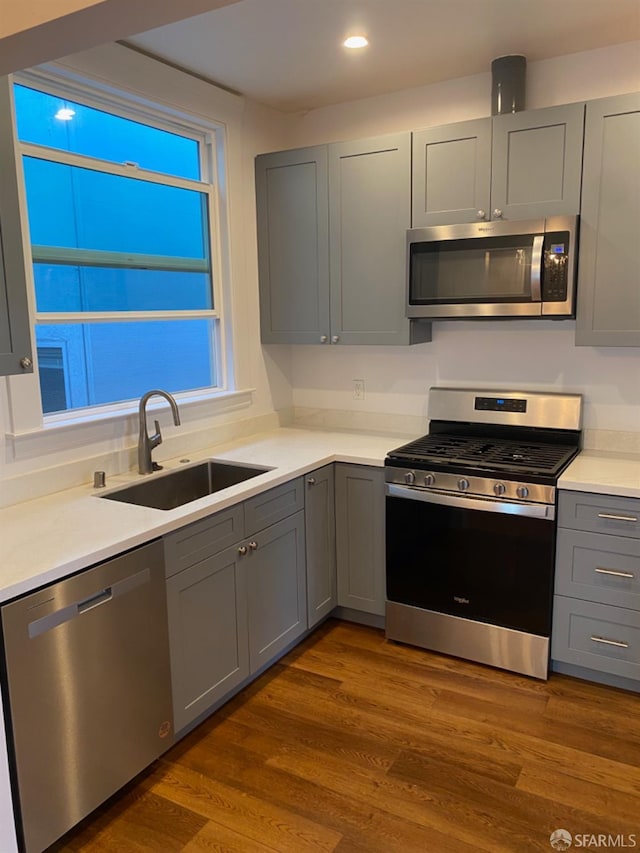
(499, 404)
(486, 487)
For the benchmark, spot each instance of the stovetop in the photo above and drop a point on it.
(485, 453)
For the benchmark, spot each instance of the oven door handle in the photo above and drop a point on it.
(542, 511)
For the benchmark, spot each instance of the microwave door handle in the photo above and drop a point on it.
(536, 268)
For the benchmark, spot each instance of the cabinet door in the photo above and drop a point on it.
(276, 589)
(369, 213)
(15, 333)
(360, 540)
(208, 637)
(319, 516)
(452, 173)
(293, 246)
(537, 162)
(609, 265)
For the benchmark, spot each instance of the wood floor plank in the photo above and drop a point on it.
(614, 806)
(252, 816)
(216, 838)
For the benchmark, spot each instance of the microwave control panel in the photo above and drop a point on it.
(555, 269)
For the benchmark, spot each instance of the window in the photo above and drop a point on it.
(121, 212)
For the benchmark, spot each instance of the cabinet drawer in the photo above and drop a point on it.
(273, 506)
(599, 513)
(595, 567)
(200, 540)
(596, 636)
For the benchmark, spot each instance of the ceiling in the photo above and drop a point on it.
(288, 53)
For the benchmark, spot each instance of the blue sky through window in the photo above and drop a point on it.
(157, 237)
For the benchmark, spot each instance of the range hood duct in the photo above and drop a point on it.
(508, 75)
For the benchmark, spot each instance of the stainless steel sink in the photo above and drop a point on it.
(168, 491)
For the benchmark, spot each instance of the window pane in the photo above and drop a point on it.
(72, 288)
(93, 364)
(95, 210)
(94, 133)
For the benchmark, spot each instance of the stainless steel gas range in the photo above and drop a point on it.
(471, 530)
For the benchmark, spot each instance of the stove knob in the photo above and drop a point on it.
(409, 478)
(429, 480)
(499, 489)
(463, 484)
(522, 492)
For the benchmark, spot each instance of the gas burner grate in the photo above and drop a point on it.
(484, 452)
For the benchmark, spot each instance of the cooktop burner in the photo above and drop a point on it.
(481, 452)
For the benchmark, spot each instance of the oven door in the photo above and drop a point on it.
(487, 560)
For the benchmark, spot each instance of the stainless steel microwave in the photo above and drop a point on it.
(493, 269)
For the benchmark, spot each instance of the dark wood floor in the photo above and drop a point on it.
(353, 743)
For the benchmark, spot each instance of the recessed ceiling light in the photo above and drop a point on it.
(65, 114)
(355, 42)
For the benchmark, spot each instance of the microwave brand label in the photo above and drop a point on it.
(460, 600)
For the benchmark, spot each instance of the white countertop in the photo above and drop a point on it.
(603, 472)
(49, 538)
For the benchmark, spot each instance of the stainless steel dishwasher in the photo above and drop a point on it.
(89, 688)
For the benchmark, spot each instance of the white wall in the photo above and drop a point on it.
(526, 354)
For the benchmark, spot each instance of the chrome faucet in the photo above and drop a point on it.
(147, 442)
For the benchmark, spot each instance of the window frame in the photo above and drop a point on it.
(210, 135)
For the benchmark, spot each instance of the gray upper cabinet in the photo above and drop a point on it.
(331, 243)
(452, 173)
(320, 526)
(360, 538)
(515, 166)
(369, 214)
(15, 333)
(293, 246)
(609, 265)
(537, 162)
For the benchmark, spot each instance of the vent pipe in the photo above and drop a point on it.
(508, 84)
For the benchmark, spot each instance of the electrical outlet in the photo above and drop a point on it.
(358, 389)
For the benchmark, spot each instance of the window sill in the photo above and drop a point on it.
(69, 430)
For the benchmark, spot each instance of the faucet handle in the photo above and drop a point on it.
(156, 438)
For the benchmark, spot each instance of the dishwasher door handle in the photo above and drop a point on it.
(77, 608)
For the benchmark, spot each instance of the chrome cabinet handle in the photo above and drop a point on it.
(253, 546)
(615, 574)
(617, 643)
(242, 550)
(311, 481)
(323, 339)
(335, 339)
(631, 518)
(481, 214)
(26, 363)
(497, 213)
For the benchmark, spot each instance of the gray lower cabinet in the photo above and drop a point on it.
(331, 243)
(15, 332)
(608, 311)
(523, 165)
(596, 616)
(236, 595)
(360, 537)
(208, 633)
(320, 525)
(276, 589)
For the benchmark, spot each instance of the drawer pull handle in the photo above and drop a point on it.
(617, 643)
(614, 573)
(631, 518)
